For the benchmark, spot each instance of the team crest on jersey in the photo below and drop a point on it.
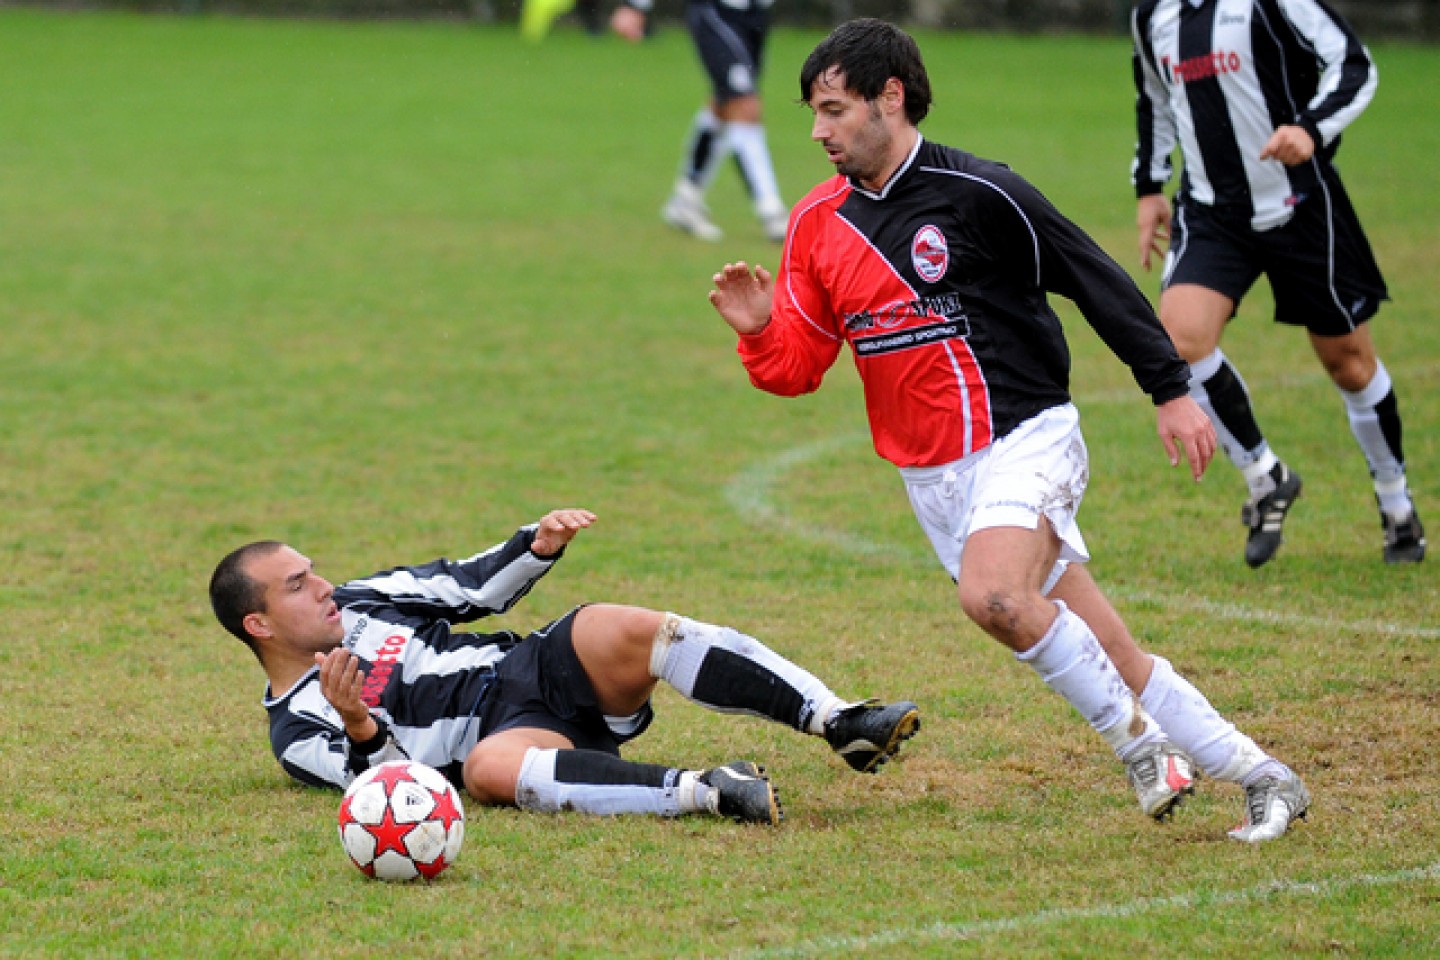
(930, 253)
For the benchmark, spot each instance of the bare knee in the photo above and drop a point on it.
(744, 109)
(995, 610)
(1349, 360)
(1194, 317)
(493, 769)
(615, 640)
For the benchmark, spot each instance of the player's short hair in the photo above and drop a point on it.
(869, 52)
(234, 594)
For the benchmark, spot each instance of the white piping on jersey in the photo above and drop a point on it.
(894, 177)
(1034, 238)
(790, 253)
(968, 443)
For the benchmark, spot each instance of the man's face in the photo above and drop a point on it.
(851, 129)
(299, 609)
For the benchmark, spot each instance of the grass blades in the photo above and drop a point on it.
(388, 290)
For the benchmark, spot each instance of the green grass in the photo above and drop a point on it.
(387, 291)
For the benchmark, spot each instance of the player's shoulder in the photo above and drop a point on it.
(827, 194)
(964, 170)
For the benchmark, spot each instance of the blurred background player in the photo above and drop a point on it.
(730, 39)
(1257, 92)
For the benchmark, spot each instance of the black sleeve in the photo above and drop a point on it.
(1068, 262)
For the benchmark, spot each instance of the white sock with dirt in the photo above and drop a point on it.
(1071, 661)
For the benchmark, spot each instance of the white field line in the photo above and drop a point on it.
(752, 494)
(978, 929)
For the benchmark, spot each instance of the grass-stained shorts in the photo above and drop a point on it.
(1039, 469)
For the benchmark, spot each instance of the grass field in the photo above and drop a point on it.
(387, 291)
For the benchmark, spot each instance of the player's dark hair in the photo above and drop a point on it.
(234, 594)
(869, 52)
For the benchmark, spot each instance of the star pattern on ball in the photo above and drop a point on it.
(390, 835)
(445, 809)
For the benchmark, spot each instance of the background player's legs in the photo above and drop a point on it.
(1374, 415)
(1195, 318)
(706, 147)
(746, 131)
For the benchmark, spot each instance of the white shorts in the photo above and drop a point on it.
(1040, 469)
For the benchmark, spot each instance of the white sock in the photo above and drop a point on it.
(753, 152)
(539, 788)
(1183, 712)
(1072, 663)
(727, 671)
(1363, 408)
(706, 147)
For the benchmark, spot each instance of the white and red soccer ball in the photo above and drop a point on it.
(402, 820)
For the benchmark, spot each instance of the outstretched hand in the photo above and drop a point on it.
(559, 527)
(743, 298)
(1184, 429)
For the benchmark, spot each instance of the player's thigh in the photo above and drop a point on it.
(493, 766)
(1195, 317)
(729, 57)
(1210, 267)
(613, 643)
(1322, 269)
(1002, 570)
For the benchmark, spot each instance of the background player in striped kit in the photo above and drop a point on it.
(372, 671)
(934, 266)
(730, 38)
(1256, 93)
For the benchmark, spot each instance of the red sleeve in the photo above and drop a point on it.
(791, 356)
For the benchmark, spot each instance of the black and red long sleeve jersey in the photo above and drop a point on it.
(939, 282)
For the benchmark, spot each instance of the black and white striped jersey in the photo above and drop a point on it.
(1219, 76)
(423, 681)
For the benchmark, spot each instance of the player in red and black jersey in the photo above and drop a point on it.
(935, 267)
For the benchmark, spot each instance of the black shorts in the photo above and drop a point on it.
(541, 683)
(731, 44)
(1319, 263)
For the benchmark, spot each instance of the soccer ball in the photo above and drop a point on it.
(401, 820)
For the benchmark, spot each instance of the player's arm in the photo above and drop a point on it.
(1346, 86)
(316, 749)
(489, 582)
(1152, 218)
(1073, 265)
(1155, 139)
(786, 340)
